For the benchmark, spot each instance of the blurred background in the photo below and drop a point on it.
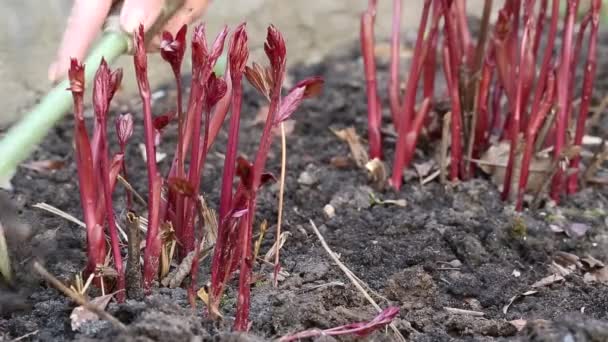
(312, 28)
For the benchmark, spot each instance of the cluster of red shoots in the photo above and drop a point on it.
(505, 62)
(209, 101)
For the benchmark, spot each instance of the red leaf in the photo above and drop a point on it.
(259, 78)
(172, 50)
(244, 169)
(140, 59)
(161, 121)
(124, 128)
(76, 76)
(275, 48)
(101, 90)
(216, 89)
(238, 52)
(313, 86)
(289, 104)
(114, 83)
(181, 186)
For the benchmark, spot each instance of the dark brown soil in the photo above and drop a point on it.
(451, 246)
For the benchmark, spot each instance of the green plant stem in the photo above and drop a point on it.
(24, 136)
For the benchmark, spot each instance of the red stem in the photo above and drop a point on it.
(536, 121)
(374, 116)
(409, 100)
(563, 82)
(231, 147)
(517, 109)
(540, 25)
(107, 191)
(393, 82)
(243, 300)
(588, 81)
(456, 149)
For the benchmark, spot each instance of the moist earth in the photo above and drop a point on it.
(452, 246)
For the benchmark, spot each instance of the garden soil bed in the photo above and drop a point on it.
(451, 246)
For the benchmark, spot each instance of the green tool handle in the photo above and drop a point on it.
(23, 137)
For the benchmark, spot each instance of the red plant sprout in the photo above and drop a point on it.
(238, 54)
(97, 173)
(96, 247)
(124, 130)
(374, 111)
(588, 81)
(103, 88)
(360, 329)
(153, 243)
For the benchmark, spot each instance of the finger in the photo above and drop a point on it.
(136, 12)
(84, 23)
(190, 12)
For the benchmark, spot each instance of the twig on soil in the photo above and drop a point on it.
(457, 311)
(130, 188)
(53, 210)
(23, 337)
(278, 245)
(77, 297)
(349, 274)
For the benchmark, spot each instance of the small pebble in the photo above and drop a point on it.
(455, 263)
(329, 211)
(306, 178)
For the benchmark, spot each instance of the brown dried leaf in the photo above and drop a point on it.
(377, 172)
(357, 150)
(203, 294)
(599, 275)
(516, 297)
(80, 315)
(546, 281)
(341, 162)
(519, 324)
(44, 165)
(591, 262)
(494, 162)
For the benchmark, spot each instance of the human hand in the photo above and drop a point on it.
(88, 16)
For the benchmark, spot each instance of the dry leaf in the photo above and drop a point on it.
(592, 262)
(270, 254)
(341, 162)
(519, 324)
(377, 172)
(424, 169)
(204, 296)
(357, 150)
(494, 162)
(516, 297)
(80, 315)
(599, 275)
(546, 281)
(44, 165)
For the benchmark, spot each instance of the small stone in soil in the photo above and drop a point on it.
(329, 211)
